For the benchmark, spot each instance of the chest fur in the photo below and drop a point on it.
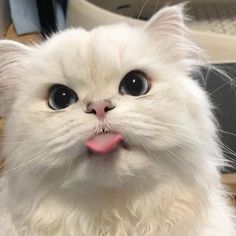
(152, 215)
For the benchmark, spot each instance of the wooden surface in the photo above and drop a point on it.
(27, 39)
(230, 179)
(1, 127)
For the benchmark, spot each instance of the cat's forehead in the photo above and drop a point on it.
(101, 52)
(90, 62)
(100, 43)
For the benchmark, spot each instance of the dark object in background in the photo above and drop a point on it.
(46, 17)
(52, 15)
(222, 91)
(41, 16)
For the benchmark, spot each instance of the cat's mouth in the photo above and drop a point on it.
(105, 143)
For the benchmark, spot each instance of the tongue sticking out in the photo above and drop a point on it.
(104, 143)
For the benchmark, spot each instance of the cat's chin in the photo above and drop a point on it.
(124, 166)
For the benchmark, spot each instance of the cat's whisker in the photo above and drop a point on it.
(180, 161)
(55, 130)
(158, 122)
(24, 134)
(13, 154)
(188, 137)
(15, 135)
(227, 150)
(228, 154)
(181, 145)
(24, 164)
(225, 147)
(107, 124)
(68, 140)
(21, 142)
(226, 132)
(68, 170)
(143, 7)
(8, 160)
(218, 89)
(61, 133)
(45, 173)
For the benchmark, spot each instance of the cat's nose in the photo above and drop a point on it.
(100, 108)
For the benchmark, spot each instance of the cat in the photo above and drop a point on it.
(107, 134)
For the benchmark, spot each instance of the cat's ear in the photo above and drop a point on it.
(168, 21)
(167, 29)
(12, 56)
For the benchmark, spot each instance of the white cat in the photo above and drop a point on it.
(107, 135)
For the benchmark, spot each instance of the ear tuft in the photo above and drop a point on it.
(168, 20)
(170, 35)
(12, 55)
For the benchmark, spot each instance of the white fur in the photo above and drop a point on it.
(166, 184)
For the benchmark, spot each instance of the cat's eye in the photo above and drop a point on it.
(135, 83)
(61, 97)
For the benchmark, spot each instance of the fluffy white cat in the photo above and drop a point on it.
(107, 135)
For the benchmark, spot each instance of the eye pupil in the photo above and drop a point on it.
(134, 84)
(61, 97)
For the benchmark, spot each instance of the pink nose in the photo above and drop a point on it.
(100, 108)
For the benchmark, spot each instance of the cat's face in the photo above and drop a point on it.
(110, 107)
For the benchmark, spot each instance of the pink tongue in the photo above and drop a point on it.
(104, 143)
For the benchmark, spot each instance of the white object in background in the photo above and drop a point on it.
(4, 17)
(220, 48)
(85, 14)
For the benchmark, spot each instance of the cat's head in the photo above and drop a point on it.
(111, 107)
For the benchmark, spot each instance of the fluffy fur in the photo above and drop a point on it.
(166, 184)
